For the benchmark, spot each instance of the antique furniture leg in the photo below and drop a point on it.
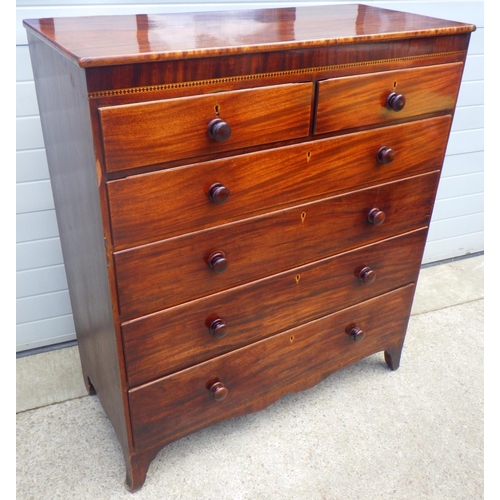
(393, 356)
(137, 466)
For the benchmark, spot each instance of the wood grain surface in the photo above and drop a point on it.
(113, 40)
(345, 102)
(140, 134)
(163, 274)
(171, 407)
(167, 203)
(161, 343)
(305, 281)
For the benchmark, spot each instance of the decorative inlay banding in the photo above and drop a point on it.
(260, 76)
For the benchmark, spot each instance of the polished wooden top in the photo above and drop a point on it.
(111, 40)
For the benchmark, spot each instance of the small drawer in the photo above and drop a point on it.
(356, 101)
(252, 377)
(136, 135)
(179, 337)
(166, 273)
(163, 204)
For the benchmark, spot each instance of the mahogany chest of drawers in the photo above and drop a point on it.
(243, 199)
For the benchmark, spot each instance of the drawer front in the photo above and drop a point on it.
(159, 275)
(173, 406)
(162, 343)
(135, 135)
(163, 204)
(356, 101)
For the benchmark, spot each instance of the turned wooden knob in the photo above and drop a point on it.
(219, 130)
(217, 328)
(376, 216)
(355, 333)
(395, 101)
(218, 193)
(367, 275)
(218, 262)
(219, 391)
(386, 155)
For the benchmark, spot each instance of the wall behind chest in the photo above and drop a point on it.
(44, 316)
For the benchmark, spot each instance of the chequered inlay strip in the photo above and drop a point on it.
(259, 76)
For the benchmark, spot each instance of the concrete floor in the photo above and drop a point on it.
(365, 433)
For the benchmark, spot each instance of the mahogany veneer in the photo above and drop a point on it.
(140, 134)
(243, 199)
(299, 172)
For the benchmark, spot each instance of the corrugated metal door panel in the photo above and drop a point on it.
(461, 185)
(38, 253)
(45, 332)
(457, 226)
(34, 196)
(460, 206)
(463, 164)
(31, 165)
(44, 306)
(468, 117)
(36, 226)
(41, 280)
(447, 248)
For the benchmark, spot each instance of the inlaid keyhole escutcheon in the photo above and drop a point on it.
(303, 216)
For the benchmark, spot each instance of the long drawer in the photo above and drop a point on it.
(160, 275)
(174, 339)
(349, 102)
(168, 408)
(163, 204)
(135, 135)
